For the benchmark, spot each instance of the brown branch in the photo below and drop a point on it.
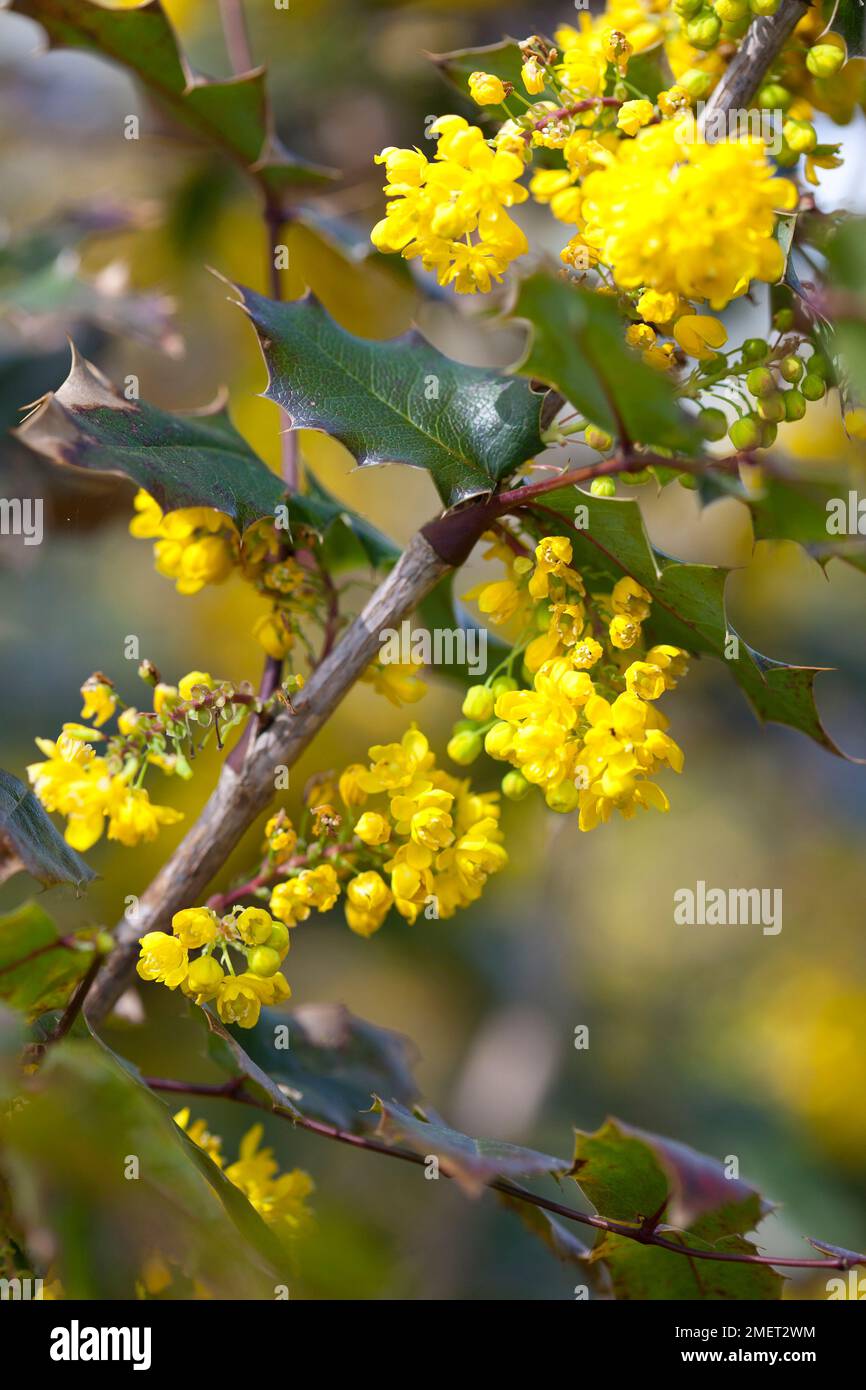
(234, 24)
(242, 794)
(644, 1234)
(745, 72)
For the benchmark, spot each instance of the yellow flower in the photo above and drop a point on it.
(164, 696)
(254, 925)
(195, 926)
(671, 661)
(624, 632)
(634, 114)
(133, 818)
(351, 790)
(293, 900)
(274, 634)
(397, 681)
(645, 680)
(279, 1198)
(163, 959)
(204, 979)
(674, 214)
(700, 334)
(368, 899)
(486, 89)
(238, 1001)
(186, 686)
(532, 74)
(657, 308)
(396, 765)
(373, 829)
(281, 835)
(200, 1135)
(100, 700)
(631, 598)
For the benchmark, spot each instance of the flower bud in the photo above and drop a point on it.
(603, 487)
(597, 439)
(772, 407)
(465, 747)
(764, 7)
(515, 786)
(813, 387)
(478, 703)
(502, 685)
(696, 82)
(800, 136)
(755, 349)
(825, 60)
(704, 31)
(795, 405)
(774, 97)
(745, 433)
(264, 961)
(791, 368)
(712, 423)
(759, 382)
(563, 798)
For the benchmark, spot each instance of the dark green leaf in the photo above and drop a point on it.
(472, 1163)
(30, 840)
(793, 509)
(638, 1179)
(105, 1224)
(38, 967)
(558, 1236)
(399, 401)
(577, 344)
(350, 540)
(233, 114)
(331, 1067)
(688, 605)
(181, 460)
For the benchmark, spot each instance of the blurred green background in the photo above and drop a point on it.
(734, 1042)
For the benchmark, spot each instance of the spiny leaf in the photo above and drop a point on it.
(399, 401)
(795, 509)
(189, 460)
(30, 840)
(472, 1163)
(330, 1066)
(557, 1235)
(688, 605)
(637, 1178)
(38, 968)
(234, 113)
(577, 344)
(631, 1175)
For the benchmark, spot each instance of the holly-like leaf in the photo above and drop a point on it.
(559, 1237)
(577, 344)
(233, 114)
(30, 840)
(191, 460)
(643, 1180)
(39, 968)
(795, 509)
(107, 1228)
(472, 1163)
(399, 401)
(185, 460)
(324, 1063)
(688, 605)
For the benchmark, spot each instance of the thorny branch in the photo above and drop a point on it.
(647, 1233)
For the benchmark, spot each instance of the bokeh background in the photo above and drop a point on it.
(729, 1040)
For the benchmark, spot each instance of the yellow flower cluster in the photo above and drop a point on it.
(587, 731)
(196, 546)
(657, 207)
(450, 211)
(414, 838)
(98, 790)
(279, 1198)
(677, 215)
(250, 932)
